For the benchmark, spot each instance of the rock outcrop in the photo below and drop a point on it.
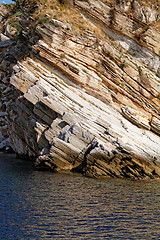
(86, 102)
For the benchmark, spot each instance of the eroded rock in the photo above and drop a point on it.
(85, 102)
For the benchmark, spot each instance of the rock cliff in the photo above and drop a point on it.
(85, 99)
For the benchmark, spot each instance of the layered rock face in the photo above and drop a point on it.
(86, 102)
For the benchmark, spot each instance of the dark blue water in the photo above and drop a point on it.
(44, 205)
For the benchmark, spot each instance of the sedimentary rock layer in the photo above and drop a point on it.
(85, 103)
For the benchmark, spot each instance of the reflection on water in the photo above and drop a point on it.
(44, 205)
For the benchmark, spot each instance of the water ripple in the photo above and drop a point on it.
(44, 205)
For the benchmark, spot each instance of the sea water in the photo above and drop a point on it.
(44, 205)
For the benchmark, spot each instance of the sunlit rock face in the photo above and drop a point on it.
(84, 102)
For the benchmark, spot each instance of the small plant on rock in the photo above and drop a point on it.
(123, 64)
(30, 5)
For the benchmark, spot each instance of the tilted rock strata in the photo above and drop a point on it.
(134, 28)
(71, 129)
(83, 104)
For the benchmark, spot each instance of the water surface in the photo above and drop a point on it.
(44, 205)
